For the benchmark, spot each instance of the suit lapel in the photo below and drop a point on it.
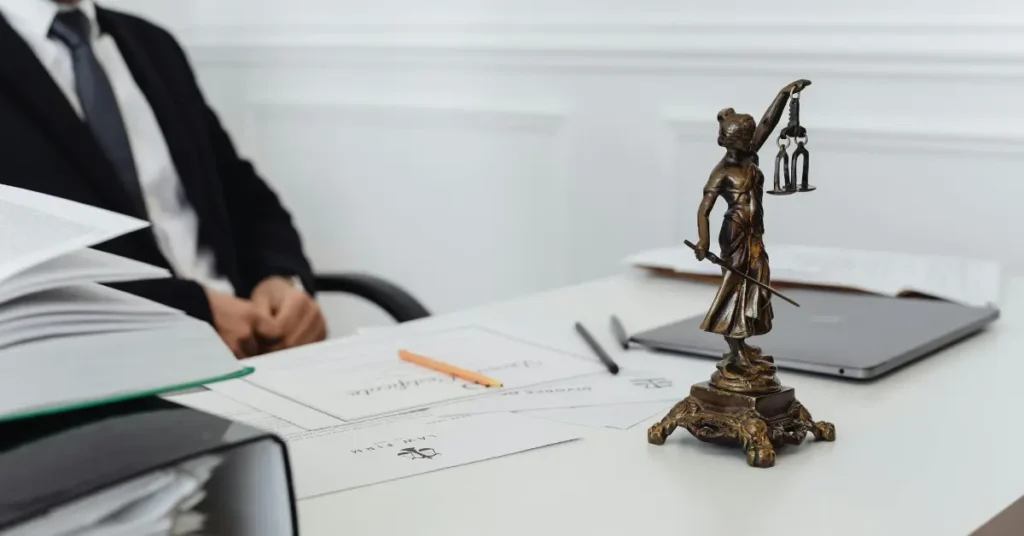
(24, 77)
(166, 108)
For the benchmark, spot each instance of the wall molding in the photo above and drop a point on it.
(412, 115)
(943, 47)
(833, 136)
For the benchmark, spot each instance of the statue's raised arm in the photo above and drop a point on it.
(773, 114)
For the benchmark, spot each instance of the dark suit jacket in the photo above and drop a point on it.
(45, 147)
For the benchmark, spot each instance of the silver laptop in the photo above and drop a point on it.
(851, 335)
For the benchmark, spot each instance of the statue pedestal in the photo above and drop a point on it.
(758, 423)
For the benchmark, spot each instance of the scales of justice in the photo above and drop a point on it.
(744, 404)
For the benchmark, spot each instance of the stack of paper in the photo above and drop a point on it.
(967, 281)
(67, 340)
(78, 310)
(156, 504)
(48, 277)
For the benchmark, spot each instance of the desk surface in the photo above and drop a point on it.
(926, 450)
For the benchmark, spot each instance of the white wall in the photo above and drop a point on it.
(476, 150)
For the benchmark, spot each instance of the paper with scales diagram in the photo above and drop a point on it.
(356, 381)
(328, 457)
(973, 282)
(374, 453)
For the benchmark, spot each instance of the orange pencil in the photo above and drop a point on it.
(445, 368)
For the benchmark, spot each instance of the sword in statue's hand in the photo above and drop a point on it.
(718, 261)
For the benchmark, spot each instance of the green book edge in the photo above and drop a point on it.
(245, 371)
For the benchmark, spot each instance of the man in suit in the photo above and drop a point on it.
(103, 108)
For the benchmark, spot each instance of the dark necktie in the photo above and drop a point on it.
(96, 95)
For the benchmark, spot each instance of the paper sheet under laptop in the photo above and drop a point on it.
(966, 281)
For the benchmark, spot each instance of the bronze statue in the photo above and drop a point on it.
(744, 403)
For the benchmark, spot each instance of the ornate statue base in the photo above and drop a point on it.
(744, 405)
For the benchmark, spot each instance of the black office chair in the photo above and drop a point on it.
(395, 300)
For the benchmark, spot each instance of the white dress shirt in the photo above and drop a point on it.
(174, 221)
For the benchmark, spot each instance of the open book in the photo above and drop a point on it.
(966, 281)
(65, 339)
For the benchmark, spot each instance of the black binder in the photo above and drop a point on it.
(50, 461)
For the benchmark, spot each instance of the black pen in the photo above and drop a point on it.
(620, 332)
(601, 354)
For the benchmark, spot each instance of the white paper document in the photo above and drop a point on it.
(89, 299)
(75, 268)
(79, 310)
(618, 416)
(966, 281)
(601, 389)
(35, 228)
(371, 454)
(337, 458)
(357, 381)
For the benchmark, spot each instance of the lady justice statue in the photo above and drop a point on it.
(744, 403)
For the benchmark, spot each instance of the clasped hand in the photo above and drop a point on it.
(278, 316)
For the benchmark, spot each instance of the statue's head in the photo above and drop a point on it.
(736, 131)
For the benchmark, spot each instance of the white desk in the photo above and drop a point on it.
(929, 450)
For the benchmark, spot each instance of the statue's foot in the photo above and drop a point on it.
(738, 363)
(679, 415)
(739, 367)
(747, 364)
(822, 431)
(763, 364)
(746, 370)
(754, 436)
(657, 434)
(766, 367)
